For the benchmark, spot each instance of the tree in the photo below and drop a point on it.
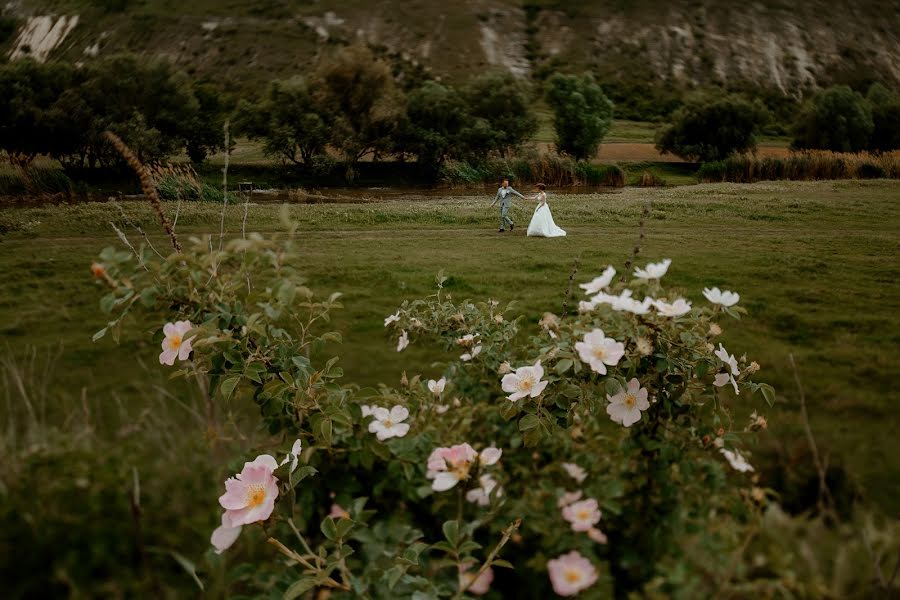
(435, 119)
(885, 107)
(358, 91)
(148, 104)
(836, 119)
(582, 114)
(704, 130)
(289, 120)
(204, 134)
(501, 116)
(27, 119)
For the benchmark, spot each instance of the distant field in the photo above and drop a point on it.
(815, 263)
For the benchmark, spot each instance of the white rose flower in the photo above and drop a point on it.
(653, 270)
(626, 406)
(403, 342)
(437, 387)
(599, 283)
(737, 462)
(725, 298)
(526, 381)
(388, 424)
(599, 351)
(675, 309)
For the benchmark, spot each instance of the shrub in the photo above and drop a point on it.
(11, 184)
(712, 130)
(436, 117)
(885, 119)
(836, 119)
(582, 114)
(180, 182)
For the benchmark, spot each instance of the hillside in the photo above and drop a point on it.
(783, 47)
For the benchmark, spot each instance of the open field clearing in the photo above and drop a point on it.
(815, 263)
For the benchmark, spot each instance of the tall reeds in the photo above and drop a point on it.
(808, 165)
(554, 171)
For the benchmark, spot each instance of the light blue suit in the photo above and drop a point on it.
(504, 197)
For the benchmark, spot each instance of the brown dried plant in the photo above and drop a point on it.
(147, 184)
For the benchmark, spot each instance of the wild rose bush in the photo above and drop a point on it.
(574, 457)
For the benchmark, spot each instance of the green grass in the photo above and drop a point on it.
(815, 264)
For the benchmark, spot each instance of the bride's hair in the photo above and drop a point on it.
(541, 186)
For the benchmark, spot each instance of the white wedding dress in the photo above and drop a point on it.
(542, 224)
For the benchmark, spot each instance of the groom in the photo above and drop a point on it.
(504, 197)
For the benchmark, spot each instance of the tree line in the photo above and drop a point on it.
(352, 106)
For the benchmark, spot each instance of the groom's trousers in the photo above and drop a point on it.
(504, 217)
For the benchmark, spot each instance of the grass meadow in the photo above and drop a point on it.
(815, 263)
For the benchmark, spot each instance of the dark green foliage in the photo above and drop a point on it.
(582, 114)
(293, 126)
(364, 105)
(713, 130)
(29, 114)
(204, 132)
(435, 119)
(8, 27)
(62, 111)
(836, 119)
(501, 115)
(885, 119)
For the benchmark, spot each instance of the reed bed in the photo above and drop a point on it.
(811, 165)
(554, 171)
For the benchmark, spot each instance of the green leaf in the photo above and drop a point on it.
(325, 431)
(329, 529)
(528, 422)
(255, 372)
(509, 410)
(451, 532)
(228, 384)
(613, 387)
(499, 562)
(303, 473)
(298, 588)
(768, 393)
(343, 527)
(394, 574)
(564, 365)
(99, 334)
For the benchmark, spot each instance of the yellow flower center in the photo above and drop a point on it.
(630, 400)
(583, 515)
(526, 383)
(256, 495)
(461, 470)
(175, 342)
(599, 353)
(387, 423)
(572, 575)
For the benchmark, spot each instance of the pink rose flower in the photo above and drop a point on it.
(582, 515)
(449, 466)
(478, 586)
(250, 495)
(174, 345)
(571, 573)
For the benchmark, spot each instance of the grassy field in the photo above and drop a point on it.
(815, 264)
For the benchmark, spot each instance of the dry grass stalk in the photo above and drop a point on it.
(147, 184)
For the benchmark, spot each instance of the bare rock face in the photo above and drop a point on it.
(788, 47)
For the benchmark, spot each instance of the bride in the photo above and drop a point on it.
(542, 224)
